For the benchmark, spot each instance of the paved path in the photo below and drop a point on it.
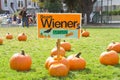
(103, 25)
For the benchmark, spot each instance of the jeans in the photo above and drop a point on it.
(25, 21)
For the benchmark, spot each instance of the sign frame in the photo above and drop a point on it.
(59, 25)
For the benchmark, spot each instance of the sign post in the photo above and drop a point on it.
(59, 25)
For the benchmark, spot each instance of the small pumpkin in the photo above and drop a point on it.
(20, 61)
(66, 45)
(55, 51)
(76, 62)
(85, 33)
(114, 46)
(56, 59)
(9, 36)
(47, 62)
(109, 58)
(1, 41)
(22, 37)
(58, 70)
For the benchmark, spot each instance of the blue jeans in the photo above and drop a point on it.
(25, 21)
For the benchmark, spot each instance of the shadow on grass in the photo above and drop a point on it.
(70, 51)
(118, 65)
(31, 70)
(84, 71)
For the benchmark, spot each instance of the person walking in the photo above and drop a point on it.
(24, 17)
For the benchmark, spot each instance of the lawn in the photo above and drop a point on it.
(39, 49)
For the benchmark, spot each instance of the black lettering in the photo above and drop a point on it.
(58, 24)
(64, 23)
(46, 22)
(70, 24)
(50, 23)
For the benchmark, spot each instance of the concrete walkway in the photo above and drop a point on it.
(117, 25)
(15, 25)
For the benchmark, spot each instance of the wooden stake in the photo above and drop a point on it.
(58, 47)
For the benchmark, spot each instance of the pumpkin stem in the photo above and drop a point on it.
(22, 52)
(64, 41)
(23, 33)
(78, 55)
(113, 42)
(108, 49)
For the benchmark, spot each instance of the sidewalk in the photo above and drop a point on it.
(115, 25)
(15, 25)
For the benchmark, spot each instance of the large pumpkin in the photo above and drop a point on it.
(20, 61)
(55, 59)
(85, 33)
(58, 70)
(66, 45)
(1, 41)
(114, 46)
(55, 51)
(76, 62)
(22, 37)
(9, 36)
(109, 58)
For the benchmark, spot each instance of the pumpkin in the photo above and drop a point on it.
(9, 36)
(56, 59)
(1, 41)
(109, 58)
(47, 62)
(114, 46)
(66, 45)
(20, 62)
(22, 37)
(76, 62)
(58, 69)
(55, 51)
(85, 33)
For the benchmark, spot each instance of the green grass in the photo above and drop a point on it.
(39, 50)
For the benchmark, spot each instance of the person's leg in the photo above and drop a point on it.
(26, 22)
(23, 22)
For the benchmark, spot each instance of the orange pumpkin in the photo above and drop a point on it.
(22, 37)
(109, 58)
(76, 62)
(9, 36)
(66, 45)
(114, 46)
(85, 33)
(56, 59)
(20, 61)
(58, 70)
(47, 62)
(1, 41)
(55, 51)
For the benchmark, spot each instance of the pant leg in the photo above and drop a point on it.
(23, 21)
(26, 22)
